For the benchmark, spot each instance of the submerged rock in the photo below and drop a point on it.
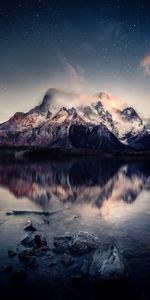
(23, 255)
(62, 243)
(67, 260)
(32, 262)
(37, 241)
(83, 242)
(29, 226)
(52, 264)
(28, 240)
(28, 258)
(11, 253)
(80, 242)
(106, 264)
(40, 241)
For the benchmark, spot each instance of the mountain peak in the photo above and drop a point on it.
(49, 123)
(130, 113)
(48, 98)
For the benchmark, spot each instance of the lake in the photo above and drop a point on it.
(109, 198)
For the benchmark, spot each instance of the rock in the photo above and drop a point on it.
(82, 242)
(61, 243)
(18, 276)
(85, 267)
(75, 268)
(27, 256)
(50, 254)
(32, 262)
(9, 213)
(52, 264)
(23, 255)
(7, 268)
(29, 226)
(37, 241)
(28, 240)
(40, 241)
(11, 253)
(106, 264)
(44, 248)
(67, 260)
(75, 217)
(45, 220)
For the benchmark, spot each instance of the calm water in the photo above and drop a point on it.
(110, 199)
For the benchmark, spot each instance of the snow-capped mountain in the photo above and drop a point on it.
(96, 125)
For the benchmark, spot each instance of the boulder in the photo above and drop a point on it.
(106, 264)
(40, 241)
(82, 242)
(36, 241)
(62, 243)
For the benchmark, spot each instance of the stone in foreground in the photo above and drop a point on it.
(11, 253)
(36, 241)
(61, 243)
(83, 242)
(29, 226)
(106, 264)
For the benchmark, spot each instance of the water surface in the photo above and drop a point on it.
(109, 198)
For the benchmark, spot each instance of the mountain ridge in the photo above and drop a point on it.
(90, 126)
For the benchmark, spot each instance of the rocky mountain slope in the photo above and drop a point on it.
(97, 125)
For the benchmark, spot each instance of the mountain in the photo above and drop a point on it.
(141, 140)
(97, 125)
(94, 137)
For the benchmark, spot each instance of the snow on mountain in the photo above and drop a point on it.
(123, 123)
(141, 140)
(126, 122)
(100, 124)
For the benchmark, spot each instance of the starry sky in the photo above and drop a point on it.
(84, 46)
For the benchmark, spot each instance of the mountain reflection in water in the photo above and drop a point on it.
(75, 182)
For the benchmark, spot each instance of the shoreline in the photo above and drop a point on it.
(39, 153)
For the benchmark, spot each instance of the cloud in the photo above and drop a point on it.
(74, 75)
(145, 64)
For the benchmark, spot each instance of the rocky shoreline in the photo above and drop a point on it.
(79, 259)
(102, 261)
(62, 254)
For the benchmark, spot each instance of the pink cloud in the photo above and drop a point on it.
(145, 63)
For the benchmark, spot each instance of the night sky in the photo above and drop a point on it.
(82, 46)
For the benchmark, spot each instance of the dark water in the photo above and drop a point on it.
(108, 198)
